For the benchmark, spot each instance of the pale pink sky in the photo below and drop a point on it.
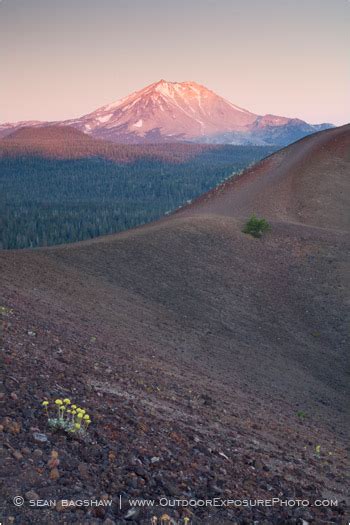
(64, 58)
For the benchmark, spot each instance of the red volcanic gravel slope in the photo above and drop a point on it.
(213, 364)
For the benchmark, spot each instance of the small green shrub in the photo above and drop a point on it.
(301, 414)
(256, 227)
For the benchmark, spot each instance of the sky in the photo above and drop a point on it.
(64, 58)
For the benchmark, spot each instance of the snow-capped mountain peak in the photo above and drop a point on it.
(166, 110)
(186, 111)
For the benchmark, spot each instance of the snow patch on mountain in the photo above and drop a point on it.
(105, 118)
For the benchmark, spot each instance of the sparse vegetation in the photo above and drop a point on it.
(63, 415)
(301, 414)
(4, 310)
(256, 227)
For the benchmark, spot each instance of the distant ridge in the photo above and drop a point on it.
(67, 142)
(39, 133)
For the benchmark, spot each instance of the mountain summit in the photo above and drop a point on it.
(183, 111)
(166, 110)
(172, 111)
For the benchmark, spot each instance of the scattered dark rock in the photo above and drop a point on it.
(40, 438)
(31, 495)
(11, 426)
(17, 455)
(83, 470)
(109, 521)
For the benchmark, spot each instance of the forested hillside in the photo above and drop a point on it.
(47, 199)
(65, 142)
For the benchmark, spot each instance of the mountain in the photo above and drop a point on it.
(166, 111)
(212, 363)
(187, 111)
(184, 111)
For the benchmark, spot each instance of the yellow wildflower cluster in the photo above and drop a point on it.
(70, 417)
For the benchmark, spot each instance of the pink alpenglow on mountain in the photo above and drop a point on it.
(183, 111)
(187, 111)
